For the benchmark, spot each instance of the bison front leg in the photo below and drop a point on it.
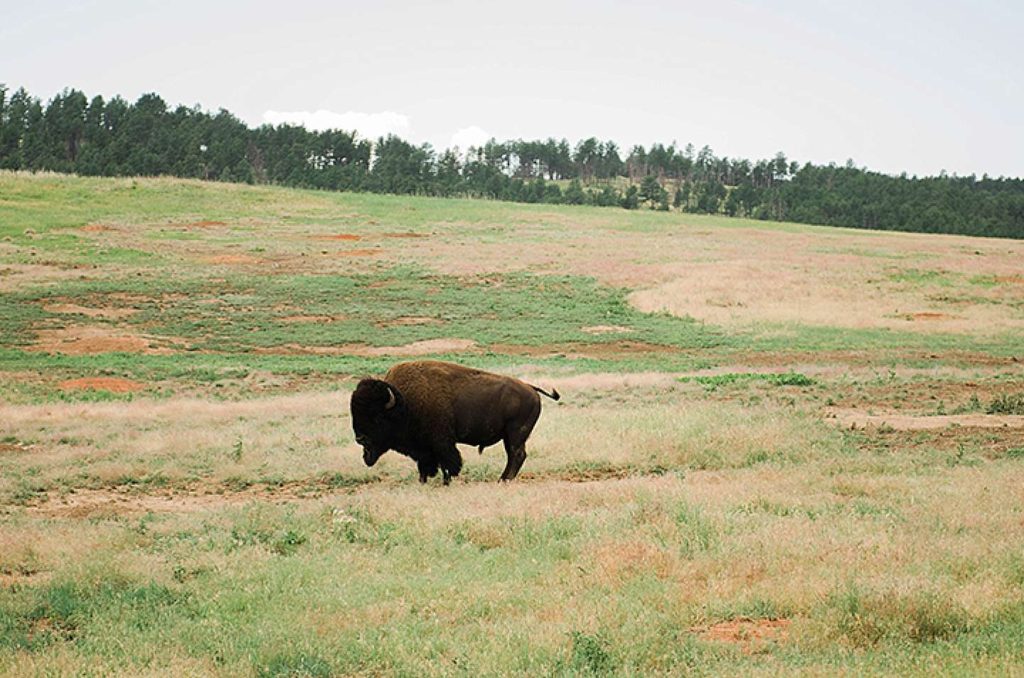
(428, 469)
(451, 463)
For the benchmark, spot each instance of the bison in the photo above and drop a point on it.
(422, 409)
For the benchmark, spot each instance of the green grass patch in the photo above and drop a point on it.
(717, 381)
(921, 277)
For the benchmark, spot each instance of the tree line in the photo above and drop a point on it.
(75, 134)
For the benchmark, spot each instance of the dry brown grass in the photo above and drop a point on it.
(846, 280)
(658, 527)
(835, 277)
(749, 555)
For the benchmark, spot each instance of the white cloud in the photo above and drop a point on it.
(469, 136)
(367, 125)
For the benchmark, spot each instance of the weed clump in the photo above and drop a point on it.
(1007, 404)
(590, 655)
(864, 620)
(300, 664)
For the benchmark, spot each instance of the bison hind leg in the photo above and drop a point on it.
(516, 457)
(515, 443)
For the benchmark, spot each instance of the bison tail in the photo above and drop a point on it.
(553, 395)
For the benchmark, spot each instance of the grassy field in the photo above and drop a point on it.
(781, 449)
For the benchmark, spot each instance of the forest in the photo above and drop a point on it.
(72, 133)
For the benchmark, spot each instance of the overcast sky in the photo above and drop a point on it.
(918, 86)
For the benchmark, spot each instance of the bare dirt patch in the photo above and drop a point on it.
(607, 329)
(929, 315)
(416, 348)
(232, 259)
(299, 319)
(87, 340)
(359, 252)
(84, 504)
(162, 300)
(909, 422)
(407, 320)
(14, 276)
(579, 475)
(352, 237)
(747, 632)
(338, 236)
(746, 361)
(75, 309)
(604, 350)
(425, 347)
(112, 384)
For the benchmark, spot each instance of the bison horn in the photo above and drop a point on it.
(391, 399)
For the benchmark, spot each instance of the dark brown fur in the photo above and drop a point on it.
(436, 405)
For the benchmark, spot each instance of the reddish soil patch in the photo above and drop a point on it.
(112, 384)
(747, 632)
(339, 236)
(358, 253)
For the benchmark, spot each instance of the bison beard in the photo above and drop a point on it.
(422, 409)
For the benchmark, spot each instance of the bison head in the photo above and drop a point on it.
(376, 407)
